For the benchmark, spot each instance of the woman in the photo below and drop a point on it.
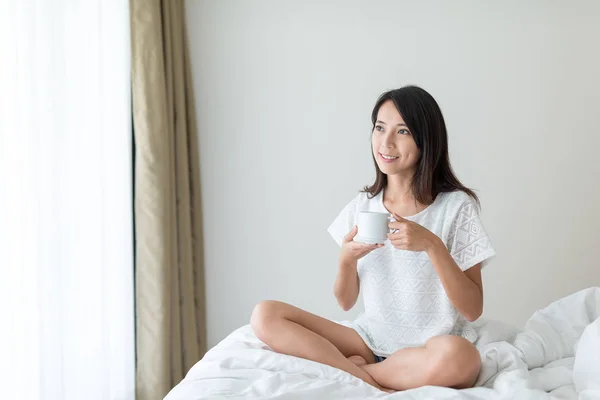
(422, 287)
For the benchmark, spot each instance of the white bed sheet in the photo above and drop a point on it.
(556, 356)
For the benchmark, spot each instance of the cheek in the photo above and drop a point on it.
(374, 144)
(411, 151)
(416, 155)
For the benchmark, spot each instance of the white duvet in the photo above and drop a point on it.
(556, 356)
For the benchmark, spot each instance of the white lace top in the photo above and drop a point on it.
(404, 300)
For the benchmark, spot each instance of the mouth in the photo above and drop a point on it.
(387, 158)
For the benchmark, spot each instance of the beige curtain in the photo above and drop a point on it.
(170, 311)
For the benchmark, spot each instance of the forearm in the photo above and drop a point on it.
(346, 285)
(463, 293)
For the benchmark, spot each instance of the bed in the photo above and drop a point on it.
(555, 356)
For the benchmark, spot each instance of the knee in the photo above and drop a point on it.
(454, 361)
(263, 315)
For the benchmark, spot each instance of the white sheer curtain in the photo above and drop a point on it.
(66, 251)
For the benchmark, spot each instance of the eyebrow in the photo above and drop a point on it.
(381, 122)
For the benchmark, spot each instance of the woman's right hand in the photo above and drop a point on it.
(353, 251)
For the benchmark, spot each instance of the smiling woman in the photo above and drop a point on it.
(400, 146)
(422, 287)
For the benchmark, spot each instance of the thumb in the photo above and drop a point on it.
(399, 218)
(351, 234)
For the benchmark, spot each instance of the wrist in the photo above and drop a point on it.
(346, 260)
(435, 245)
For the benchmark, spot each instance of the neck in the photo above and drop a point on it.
(399, 188)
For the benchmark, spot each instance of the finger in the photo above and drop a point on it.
(399, 218)
(399, 224)
(398, 243)
(396, 225)
(358, 247)
(395, 236)
(350, 235)
(368, 247)
(371, 248)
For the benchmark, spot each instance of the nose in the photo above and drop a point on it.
(387, 141)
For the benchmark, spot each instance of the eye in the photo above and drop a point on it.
(404, 132)
(379, 128)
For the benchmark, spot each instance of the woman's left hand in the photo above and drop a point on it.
(409, 235)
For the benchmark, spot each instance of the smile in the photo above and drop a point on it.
(387, 158)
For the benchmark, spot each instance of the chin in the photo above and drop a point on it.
(387, 170)
(395, 171)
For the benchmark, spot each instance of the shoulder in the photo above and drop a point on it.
(347, 217)
(457, 200)
(364, 202)
(453, 206)
(358, 203)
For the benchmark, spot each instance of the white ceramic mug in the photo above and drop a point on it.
(372, 227)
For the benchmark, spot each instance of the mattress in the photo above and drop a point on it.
(555, 356)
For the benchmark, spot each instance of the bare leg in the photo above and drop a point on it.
(290, 330)
(449, 361)
(357, 360)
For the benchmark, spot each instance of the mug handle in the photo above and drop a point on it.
(391, 218)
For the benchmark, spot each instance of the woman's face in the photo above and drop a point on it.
(394, 148)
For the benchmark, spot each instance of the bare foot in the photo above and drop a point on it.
(361, 363)
(357, 360)
(383, 389)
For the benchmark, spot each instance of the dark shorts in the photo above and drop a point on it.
(379, 358)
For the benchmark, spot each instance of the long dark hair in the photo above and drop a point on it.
(424, 119)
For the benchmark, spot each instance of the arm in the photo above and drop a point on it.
(347, 282)
(464, 289)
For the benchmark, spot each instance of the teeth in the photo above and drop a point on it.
(388, 157)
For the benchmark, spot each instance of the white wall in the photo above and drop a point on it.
(284, 91)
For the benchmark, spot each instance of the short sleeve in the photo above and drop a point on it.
(468, 241)
(344, 222)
